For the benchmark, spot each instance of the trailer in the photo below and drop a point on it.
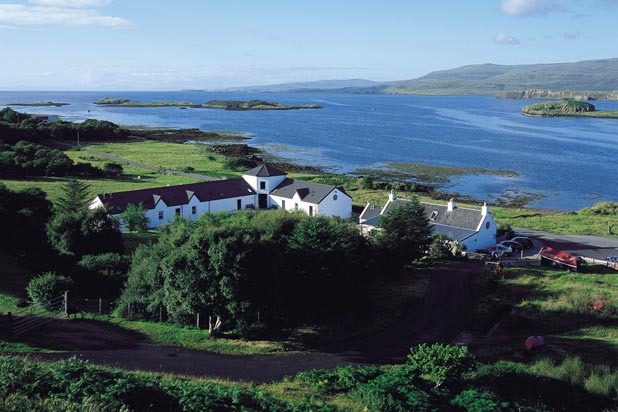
(559, 259)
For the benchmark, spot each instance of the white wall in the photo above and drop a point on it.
(341, 207)
(230, 204)
(485, 237)
(290, 204)
(271, 182)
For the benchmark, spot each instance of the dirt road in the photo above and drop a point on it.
(440, 316)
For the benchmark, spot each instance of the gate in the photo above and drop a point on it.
(38, 314)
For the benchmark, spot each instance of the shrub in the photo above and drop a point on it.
(440, 362)
(393, 391)
(112, 169)
(340, 379)
(473, 400)
(47, 286)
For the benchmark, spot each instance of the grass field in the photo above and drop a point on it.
(173, 156)
(576, 313)
(199, 339)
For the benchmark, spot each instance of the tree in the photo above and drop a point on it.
(74, 198)
(75, 230)
(134, 218)
(443, 247)
(112, 169)
(47, 286)
(405, 233)
(24, 216)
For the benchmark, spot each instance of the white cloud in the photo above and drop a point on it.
(72, 3)
(572, 36)
(22, 15)
(526, 8)
(506, 40)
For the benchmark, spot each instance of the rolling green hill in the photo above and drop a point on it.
(598, 78)
(492, 79)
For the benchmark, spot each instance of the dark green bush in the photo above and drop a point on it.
(47, 286)
(473, 400)
(439, 362)
(340, 379)
(393, 391)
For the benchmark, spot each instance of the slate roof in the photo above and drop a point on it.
(455, 233)
(309, 192)
(458, 224)
(459, 217)
(370, 212)
(264, 171)
(176, 195)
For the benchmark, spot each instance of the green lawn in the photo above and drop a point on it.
(173, 156)
(576, 313)
(199, 339)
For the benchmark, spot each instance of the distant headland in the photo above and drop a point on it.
(212, 104)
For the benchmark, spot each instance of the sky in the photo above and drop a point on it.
(207, 44)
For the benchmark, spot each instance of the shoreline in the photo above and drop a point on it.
(416, 178)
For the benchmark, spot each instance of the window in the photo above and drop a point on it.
(238, 204)
(434, 215)
(335, 197)
(310, 210)
(295, 206)
(283, 204)
(193, 210)
(263, 185)
(487, 225)
(160, 215)
(177, 211)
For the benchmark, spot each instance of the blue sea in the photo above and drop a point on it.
(573, 162)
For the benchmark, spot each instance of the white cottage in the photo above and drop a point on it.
(263, 187)
(474, 228)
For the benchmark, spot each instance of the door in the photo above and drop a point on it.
(262, 201)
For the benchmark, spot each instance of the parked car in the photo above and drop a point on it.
(505, 250)
(516, 246)
(526, 242)
(613, 259)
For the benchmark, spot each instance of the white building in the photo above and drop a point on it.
(474, 228)
(263, 187)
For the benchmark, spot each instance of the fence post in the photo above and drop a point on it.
(198, 320)
(66, 303)
(129, 310)
(100, 305)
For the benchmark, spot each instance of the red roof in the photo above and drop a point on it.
(559, 256)
(176, 195)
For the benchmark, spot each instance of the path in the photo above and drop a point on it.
(596, 247)
(439, 317)
(148, 166)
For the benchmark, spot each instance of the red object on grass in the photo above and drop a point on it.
(534, 342)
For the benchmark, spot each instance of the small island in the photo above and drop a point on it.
(254, 105)
(119, 102)
(212, 104)
(39, 104)
(567, 108)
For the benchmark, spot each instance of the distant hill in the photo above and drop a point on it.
(299, 86)
(493, 79)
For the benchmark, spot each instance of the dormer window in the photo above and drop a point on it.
(433, 215)
(263, 185)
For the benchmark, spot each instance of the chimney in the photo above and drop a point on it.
(485, 209)
(451, 205)
(392, 196)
